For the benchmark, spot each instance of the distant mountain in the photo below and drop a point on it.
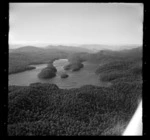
(86, 48)
(11, 50)
(51, 48)
(68, 48)
(94, 47)
(28, 49)
(121, 53)
(14, 46)
(108, 55)
(98, 47)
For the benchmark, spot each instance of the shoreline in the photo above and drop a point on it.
(23, 70)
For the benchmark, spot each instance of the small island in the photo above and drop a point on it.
(48, 72)
(64, 75)
(75, 66)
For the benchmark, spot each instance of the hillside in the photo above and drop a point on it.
(69, 48)
(109, 55)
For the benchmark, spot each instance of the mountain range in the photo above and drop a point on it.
(89, 48)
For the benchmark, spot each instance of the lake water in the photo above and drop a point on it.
(85, 76)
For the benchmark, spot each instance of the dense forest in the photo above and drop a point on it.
(45, 109)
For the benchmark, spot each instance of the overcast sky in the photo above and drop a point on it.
(76, 23)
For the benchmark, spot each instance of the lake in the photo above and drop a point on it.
(85, 76)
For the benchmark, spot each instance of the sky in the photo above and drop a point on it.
(76, 23)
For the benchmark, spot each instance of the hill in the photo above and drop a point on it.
(24, 49)
(69, 48)
(98, 47)
(109, 55)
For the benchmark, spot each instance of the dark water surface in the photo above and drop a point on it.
(85, 76)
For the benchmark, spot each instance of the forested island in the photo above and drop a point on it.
(64, 75)
(75, 66)
(48, 72)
